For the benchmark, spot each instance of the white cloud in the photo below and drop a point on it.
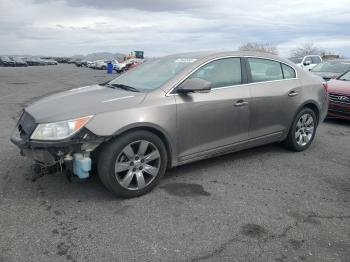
(160, 27)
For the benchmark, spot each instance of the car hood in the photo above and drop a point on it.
(83, 101)
(326, 75)
(339, 87)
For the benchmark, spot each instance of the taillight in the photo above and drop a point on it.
(325, 85)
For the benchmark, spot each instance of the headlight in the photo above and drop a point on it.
(59, 130)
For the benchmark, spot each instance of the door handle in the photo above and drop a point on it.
(292, 93)
(241, 103)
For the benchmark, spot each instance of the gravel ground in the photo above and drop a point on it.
(264, 204)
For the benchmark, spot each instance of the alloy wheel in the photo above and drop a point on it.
(137, 165)
(305, 129)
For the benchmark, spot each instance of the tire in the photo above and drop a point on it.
(303, 130)
(132, 164)
(104, 68)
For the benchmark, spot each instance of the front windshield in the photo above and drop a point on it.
(154, 73)
(332, 66)
(345, 77)
(296, 60)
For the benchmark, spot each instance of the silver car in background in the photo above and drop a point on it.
(172, 111)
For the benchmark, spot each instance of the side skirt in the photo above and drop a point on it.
(259, 141)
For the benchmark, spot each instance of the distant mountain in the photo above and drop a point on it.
(100, 56)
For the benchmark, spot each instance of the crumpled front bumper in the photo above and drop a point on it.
(51, 152)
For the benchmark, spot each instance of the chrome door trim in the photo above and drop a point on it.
(223, 57)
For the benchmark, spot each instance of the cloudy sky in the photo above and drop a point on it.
(67, 27)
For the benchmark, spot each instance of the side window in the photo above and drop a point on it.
(264, 70)
(288, 72)
(316, 60)
(222, 72)
(308, 59)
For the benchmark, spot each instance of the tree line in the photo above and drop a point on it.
(299, 51)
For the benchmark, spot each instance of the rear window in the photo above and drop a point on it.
(265, 70)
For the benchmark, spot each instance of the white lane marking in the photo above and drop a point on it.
(115, 99)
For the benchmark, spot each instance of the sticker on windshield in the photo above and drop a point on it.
(185, 60)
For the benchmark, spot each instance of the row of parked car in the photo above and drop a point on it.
(337, 74)
(117, 65)
(25, 61)
(328, 69)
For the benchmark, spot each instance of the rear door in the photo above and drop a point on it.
(275, 96)
(219, 118)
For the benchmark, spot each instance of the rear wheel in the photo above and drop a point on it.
(132, 164)
(302, 131)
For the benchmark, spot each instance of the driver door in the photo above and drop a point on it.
(216, 120)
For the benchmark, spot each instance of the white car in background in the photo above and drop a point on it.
(119, 67)
(101, 64)
(90, 64)
(307, 62)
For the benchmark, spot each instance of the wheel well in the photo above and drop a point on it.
(157, 133)
(314, 108)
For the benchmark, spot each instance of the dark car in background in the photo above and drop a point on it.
(80, 63)
(49, 62)
(62, 60)
(331, 68)
(19, 61)
(339, 97)
(6, 61)
(37, 61)
(32, 61)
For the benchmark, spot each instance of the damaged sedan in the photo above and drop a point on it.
(171, 111)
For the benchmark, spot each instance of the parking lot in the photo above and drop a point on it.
(263, 204)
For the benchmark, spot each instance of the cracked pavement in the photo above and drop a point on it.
(262, 204)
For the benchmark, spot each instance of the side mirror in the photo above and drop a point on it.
(194, 85)
(306, 63)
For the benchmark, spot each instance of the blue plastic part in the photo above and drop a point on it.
(109, 68)
(81, 165)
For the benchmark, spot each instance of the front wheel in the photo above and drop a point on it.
(133, 163)
(302, 131)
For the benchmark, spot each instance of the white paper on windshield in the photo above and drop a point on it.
(185, 60)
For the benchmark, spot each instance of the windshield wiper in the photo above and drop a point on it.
(125, 87)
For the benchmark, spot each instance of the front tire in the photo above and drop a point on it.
(302, 131)
(132, 164)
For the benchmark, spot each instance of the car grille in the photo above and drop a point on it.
(26, 125)
(339, 98)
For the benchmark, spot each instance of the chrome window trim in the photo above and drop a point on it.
(224, 87)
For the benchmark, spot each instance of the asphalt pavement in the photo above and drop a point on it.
(262, 204)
